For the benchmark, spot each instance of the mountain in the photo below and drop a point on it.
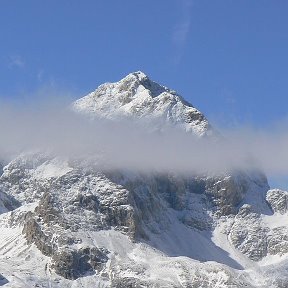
(136, 96)
(65, 223)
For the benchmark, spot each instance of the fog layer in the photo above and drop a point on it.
(134, 145)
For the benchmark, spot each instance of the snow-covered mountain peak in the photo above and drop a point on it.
(69, 222)
(136, 96)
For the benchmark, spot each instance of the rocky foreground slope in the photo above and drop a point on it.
(65, 223)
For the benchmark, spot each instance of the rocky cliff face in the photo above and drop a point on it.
(77, 225)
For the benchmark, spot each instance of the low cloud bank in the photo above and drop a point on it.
(122, 144)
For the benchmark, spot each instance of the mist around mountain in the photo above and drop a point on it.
(131, 186)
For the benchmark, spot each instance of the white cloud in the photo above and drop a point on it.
(126, 145)
(182, 29)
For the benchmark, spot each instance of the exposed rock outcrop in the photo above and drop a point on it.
(248, 234)
(278, 200)
(72, 264)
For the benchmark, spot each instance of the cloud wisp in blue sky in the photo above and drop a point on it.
(181, 30)
(16, 61)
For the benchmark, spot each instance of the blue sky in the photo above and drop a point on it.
(228, 58)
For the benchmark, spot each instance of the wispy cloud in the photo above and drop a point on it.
(182, 29)
(40, 75)
(16, 61)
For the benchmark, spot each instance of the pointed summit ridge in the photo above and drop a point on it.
(138, 78)
(139, 75)
(137, 96)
